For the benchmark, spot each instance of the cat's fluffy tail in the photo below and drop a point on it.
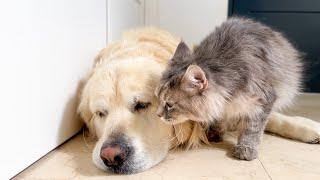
(294, 127)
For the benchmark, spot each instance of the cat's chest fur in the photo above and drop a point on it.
(231, 113)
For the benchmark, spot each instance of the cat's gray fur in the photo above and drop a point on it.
(235, 77)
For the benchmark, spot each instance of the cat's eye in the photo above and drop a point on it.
(141, 105)
(168, 105)
(101, 114)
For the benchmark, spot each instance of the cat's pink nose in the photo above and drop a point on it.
(159, 113)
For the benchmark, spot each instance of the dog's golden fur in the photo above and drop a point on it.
(140, 57)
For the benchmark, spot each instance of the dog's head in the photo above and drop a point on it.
(119, 107)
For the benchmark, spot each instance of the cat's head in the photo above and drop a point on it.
(181, 87)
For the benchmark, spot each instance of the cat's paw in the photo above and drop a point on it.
(245, 152)
(214, 136)
(215, 132)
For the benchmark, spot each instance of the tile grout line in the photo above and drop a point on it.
(265, 168)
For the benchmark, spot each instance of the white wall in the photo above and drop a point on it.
(123, 15)
(46, 47)
(190, 19)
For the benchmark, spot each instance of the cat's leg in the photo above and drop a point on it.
(215, 132)
(250, 135)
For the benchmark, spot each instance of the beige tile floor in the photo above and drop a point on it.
(279, 159)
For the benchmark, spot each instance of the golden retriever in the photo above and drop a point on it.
(118, 106)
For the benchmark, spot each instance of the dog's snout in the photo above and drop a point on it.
(113, 155)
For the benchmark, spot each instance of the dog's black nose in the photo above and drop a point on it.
(113, 155)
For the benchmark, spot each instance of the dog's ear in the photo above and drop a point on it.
(194, 80)
(181, 52)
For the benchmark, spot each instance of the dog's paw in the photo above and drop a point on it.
(245, 152)
(309, 130)
(310, 135)
(315, 140)
(313, 136)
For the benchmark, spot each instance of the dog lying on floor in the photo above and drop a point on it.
(119, 106)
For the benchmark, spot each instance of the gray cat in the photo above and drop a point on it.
(234, 79)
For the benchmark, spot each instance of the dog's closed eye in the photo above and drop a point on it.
(141, 106)
(101, 114)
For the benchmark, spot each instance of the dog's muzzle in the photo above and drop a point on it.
(117, 155)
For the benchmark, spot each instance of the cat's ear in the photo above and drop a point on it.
(194, 80)
(181, 51)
